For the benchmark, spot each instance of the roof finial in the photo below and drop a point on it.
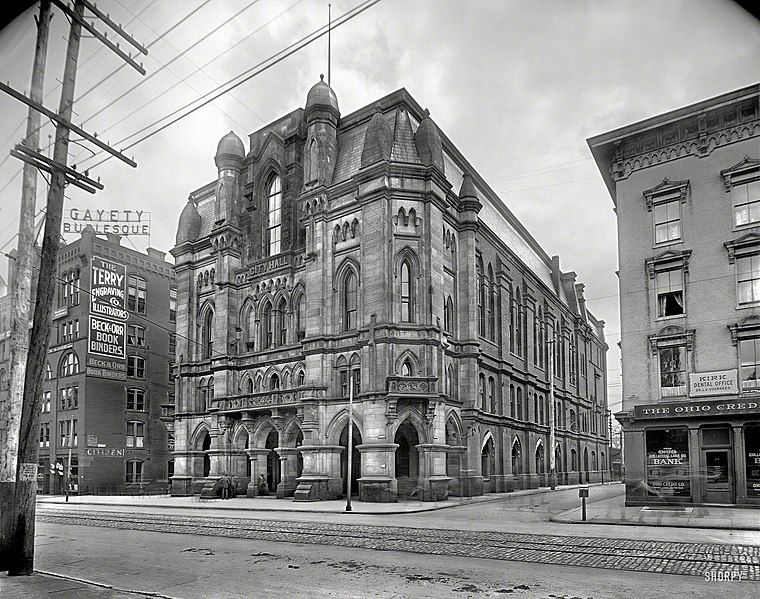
(321, 77)
(426, 112)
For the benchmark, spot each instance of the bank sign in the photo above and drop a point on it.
(106, 347)
(718, 382)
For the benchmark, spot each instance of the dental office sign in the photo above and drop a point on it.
(120, 222)
(106, 345)
(718, 382)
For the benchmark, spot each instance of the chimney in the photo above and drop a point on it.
(113, 238)
(157, 254)
(555, 274)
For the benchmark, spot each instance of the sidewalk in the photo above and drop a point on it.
(614, 511)
(44, 584)
(271, 504)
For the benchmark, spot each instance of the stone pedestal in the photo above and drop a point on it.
(258, 458)
(288, 471)
(455, 463)
(181, 486)
(377, 483)
(211, 487)
(321, 477)
(432, 477)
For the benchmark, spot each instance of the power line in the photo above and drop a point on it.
(246, 76)
(156, 72)
(544, 172)
(551, 185)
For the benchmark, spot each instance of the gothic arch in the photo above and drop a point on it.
(416, 419)
(241, 438)
(246, 383)
(408, 356)
(338, 423)
(291, 430)
(260, 432)
(196, 439)
(408, 254)
(454, 428)
(340, 273)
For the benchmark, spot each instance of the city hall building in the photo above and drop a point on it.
(108, 417)
(686, 188)
(363, 256)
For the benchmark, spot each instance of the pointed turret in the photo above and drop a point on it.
(427, 140)
(403, 139)
(378, 140)
(321, 148)
(230, 154)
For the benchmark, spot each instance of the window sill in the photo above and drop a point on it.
(667, 243)
(747, 305)
(674, 317)
(746, 227)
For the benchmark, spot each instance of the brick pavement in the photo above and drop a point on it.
(619, 554)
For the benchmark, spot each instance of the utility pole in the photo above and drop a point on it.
(18, 551)
(22, 287)
(552, 441)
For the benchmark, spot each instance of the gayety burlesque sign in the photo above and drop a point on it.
(106, 346)
(121, 222)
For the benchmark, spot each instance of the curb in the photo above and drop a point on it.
(468, 501)
(563, 519)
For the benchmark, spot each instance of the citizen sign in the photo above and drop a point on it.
(697, 408)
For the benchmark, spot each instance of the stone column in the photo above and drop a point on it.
(697, 480)
(321, 477)
(455, 459)
(432, 474)
(288, 471)
(740, 464)
(258, 458)
(378, 477)
(185, 464)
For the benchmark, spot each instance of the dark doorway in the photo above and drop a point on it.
(206, 460)
(273, 461)
(585, 463)
(356, 465)
(407, 459)
(299, 455)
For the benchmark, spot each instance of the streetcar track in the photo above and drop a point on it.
(665, 557)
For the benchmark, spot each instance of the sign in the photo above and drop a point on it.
(108, 289)
(121, 222)
(264, 401)
(667, 464)
(106, 369)
(28, 472)
(60, 313)
(718, 382)
(107, 336)
(686, 409)
(92, 440)
(54, 350)
(104, 452)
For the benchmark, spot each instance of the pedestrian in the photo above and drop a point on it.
(263, 486)
(225, 484)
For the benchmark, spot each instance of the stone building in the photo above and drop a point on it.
(686, 188)
(366, 248)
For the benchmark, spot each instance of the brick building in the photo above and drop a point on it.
(686, 188)
(366, 244)
(116, 427)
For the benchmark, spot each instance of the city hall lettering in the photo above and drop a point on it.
(359, 257)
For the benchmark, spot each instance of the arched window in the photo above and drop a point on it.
(518, 324)
(267, 327)
(75, 287)
(486, 459)
(516, 457)
(573, 423)
(491, 304)
(207, 334)
(69, 364)
(300, 321)
(573, 460)
(540, 460)
(282, 322)
(482, 391)
(406, 293)
(481, 297)
(313, 173)
(512, 406)
(249, 327)
(519, 404)
(301, 381)
(48, 372)
(349, 301)
(248, 384)
(406, 368)
(450, 386)
(3, 380)
(274, 382)
(491, 395)
(448, 315)
(274, 216)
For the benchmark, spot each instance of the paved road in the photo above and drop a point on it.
(667, 557)
(137, 563)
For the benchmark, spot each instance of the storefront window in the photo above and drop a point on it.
(752, 447)
(668, 463)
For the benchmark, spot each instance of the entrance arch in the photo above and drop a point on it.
(585, 463)
(273, 460)
(356, 460)
(516, 457)
(205, 446)
(407, 458)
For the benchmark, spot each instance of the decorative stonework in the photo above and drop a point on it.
(668, 260)
(407, 223)
(667, 191)
(672, 335)
(748, 327)
(206, 278)
(747, 168)
(411, 385)
(346, 232)
(746, 244)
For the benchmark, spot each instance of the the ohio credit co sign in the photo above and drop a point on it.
(106, 346)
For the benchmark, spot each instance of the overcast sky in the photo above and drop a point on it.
(517, 86)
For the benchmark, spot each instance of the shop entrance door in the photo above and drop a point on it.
(719, 483)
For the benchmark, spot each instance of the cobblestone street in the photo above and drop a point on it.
(619, 554)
